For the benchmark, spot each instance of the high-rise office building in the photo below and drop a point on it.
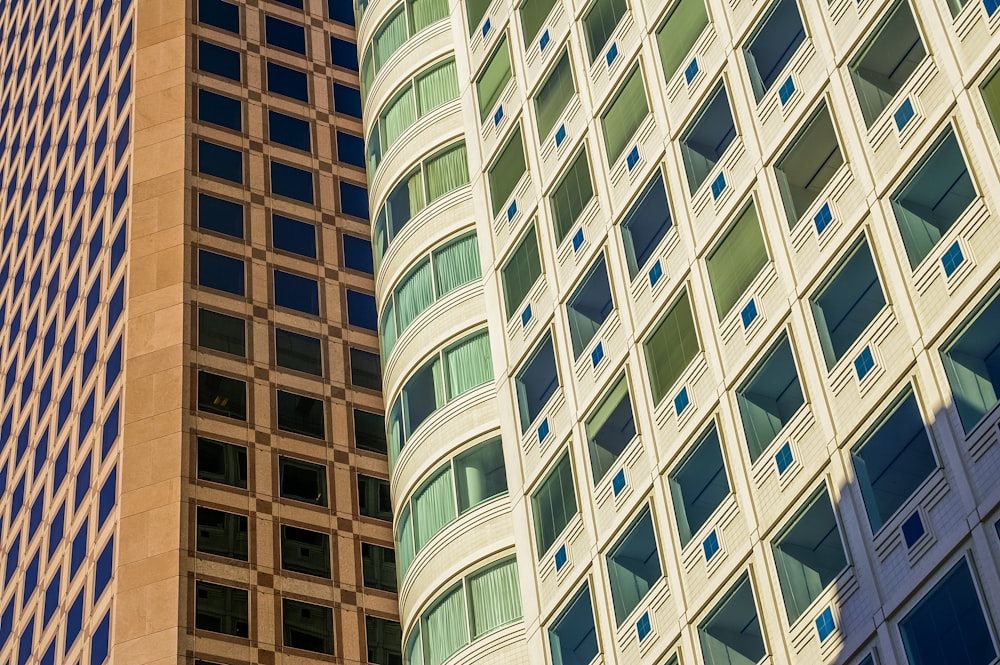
(690, 327)
(192, 451)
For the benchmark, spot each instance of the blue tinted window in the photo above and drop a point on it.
(341, 11)
(218, 60)
(358, 254)
(104, 568)
(347, 100)
(295, 292)
(107, 498)
(224, 273)
(52, 597)
(219, 14)
(294, 236)
(353, 200)
(79, 550)
(361, 310)
(351, 149)
(284, 34)
(344, 53)
(110, 433)
(293, 182)
(220, 110)
(220, 215)
(56, 528)
(99, 641)
(221, 162)
(74, 619)
(288, 82)
(291, 3)
(286, 130)
(83, 481)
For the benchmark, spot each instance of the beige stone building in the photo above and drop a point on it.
(193, 455)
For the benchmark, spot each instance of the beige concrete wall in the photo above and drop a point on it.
(150, 605)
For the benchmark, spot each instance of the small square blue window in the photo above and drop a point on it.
(577, 239)
(357, 254)
(952, 258)
(543, 430)
(486, 27)
(691, 71)
(498, 116)
(749, 313)
(718, 186)
(347, 100)
(618, 482)
(903, 114)
(655, 273)
(351, 149)
(293, 236)
(612, 53)
(711, 545)
(784, 458)
(597, 355)
(633, 158)
(864, 362)
(786, 90)
(560, 135)
(543, 41)
(681, 401)
(560, 557)
(825, 624)
(354, 200)
(823, 218)
(913, 529)
(511, 210)
(526, 315)
(643, 627)
(361, 311)
(296, 292)
(991, 6)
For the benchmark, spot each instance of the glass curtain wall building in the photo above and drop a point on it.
(688, 318)
(193, 463)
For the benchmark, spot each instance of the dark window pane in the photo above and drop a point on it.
(384, 639)
(221, 609)
(295, 292)
(288, 82)
(222, 332)
(221, 162)
(293, 236)
(300, 414)
(220, 215)
(373, 498)
(285, 35)
(220, 14)
(217, 60)
(341, 11)
(222, 534)
(347, 100)
(224, 273)
(298, 352)
(351, 149)
(295, 183)
(220, 110)
(366, 371)
(353, 200)
(302, 481)
(378, 567)
(286, 130)
(361, 310)
(369, 431)
(304, 551)
(358, 254)
(224, 463)
(222, 395)
(307, 626)
(291, 3)
(344, 53)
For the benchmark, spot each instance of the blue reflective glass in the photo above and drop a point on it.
(219, 14)
(351, 149)
(224, 273)
(344, 53)
(286, 130)
(218, 60)
(296, 292)
(294, 236)
(358, 254)
(284, 34)
(215, 214)
(220, 110)
(288, 82)
(292, 182)
(219, 161)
